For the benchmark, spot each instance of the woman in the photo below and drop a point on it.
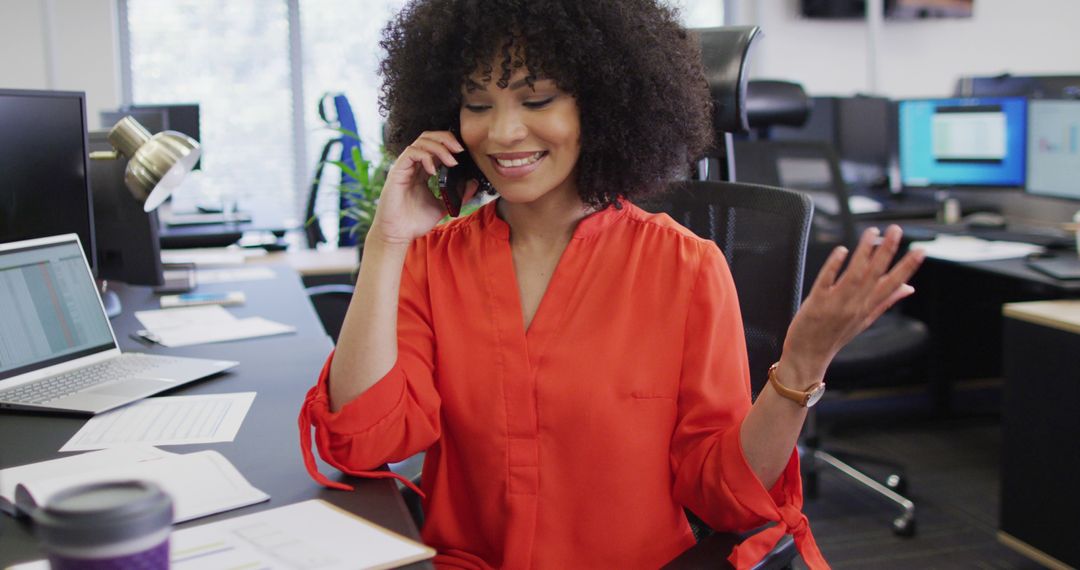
(569, 362)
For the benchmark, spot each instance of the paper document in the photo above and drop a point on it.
(200, 484)
(167, 420)
(967, 248)
(863, 205)
(199, 325)
(84, 462)
(209, 256)
(311, 534)
(233, 275)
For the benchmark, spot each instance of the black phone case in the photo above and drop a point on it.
(452, 181)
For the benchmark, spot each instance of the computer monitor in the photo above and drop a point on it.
(182, 117)
(1053, 148)
(1008, 85)
(861, 129)
(128, 247)
(155, 120)
(44, 186)
(962, 142)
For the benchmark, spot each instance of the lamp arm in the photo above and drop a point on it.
(104, 155)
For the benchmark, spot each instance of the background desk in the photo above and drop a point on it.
(280, 369)
(264, 218)
(1040, 428)
(961, 304)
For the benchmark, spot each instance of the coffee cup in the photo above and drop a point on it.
(106, 526)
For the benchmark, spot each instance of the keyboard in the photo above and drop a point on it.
(1047, 240)
(53, 387)
(201, 218)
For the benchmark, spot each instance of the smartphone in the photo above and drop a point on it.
(452, 182)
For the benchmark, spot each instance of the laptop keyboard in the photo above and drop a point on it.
(53, 387)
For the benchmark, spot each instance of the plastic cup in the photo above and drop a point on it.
(106, 526)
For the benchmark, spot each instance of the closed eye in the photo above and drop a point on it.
(476, 108)
(539, 104)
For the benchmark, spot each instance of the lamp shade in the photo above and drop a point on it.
(156, 163)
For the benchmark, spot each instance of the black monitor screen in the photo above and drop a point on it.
(44, 188)
(154, 121)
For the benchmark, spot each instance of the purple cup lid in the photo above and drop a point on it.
(98, 514)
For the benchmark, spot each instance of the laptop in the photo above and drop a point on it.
(58, 351)
(1065, 267)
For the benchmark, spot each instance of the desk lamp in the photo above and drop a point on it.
(156, 163)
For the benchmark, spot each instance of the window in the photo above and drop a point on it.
(236, 59)
(231, 57)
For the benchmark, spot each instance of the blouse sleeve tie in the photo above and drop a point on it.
(792, 521)
(306, 423)
(789, 520)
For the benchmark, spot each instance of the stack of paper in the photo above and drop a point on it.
(197, 325)
(200, 484)
(967, 248)
(311, 534)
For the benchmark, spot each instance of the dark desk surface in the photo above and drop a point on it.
(264, 217)
(1014, 269)
(280, 369)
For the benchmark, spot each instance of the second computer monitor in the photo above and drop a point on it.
(1054, 148)
(128, 249)
(963, 142)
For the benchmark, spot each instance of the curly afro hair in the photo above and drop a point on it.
(634, 71)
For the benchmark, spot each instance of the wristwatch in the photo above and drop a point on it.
(805, 399)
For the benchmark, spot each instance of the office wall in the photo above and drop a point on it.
(921, 58)
(72, 44)
(62, 44)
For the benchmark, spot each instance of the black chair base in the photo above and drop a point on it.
(893, 488)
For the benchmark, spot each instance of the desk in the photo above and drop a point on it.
(264, 217)
(313, 263)
(961, 304)
(280, 369)
(1040, 427)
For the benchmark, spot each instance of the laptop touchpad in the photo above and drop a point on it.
(131, 387)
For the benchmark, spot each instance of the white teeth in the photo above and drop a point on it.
(519, 161)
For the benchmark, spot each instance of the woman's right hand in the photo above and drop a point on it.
(407, 209)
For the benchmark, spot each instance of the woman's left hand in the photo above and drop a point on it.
(837, 309)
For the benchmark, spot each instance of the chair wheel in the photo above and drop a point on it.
(897, 483)
(904, 526)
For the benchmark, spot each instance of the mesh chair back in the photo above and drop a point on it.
(762, 232)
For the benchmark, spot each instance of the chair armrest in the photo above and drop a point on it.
(331, 289)
(713, 551)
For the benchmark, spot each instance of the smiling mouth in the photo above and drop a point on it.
(519, 162)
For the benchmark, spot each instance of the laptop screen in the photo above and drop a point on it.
(52, 312)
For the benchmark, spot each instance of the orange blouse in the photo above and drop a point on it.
(576, 443)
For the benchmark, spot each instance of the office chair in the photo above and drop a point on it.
(892, 351)
(774, 103)
(342, 121)
(331, 301)
(762, 233)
